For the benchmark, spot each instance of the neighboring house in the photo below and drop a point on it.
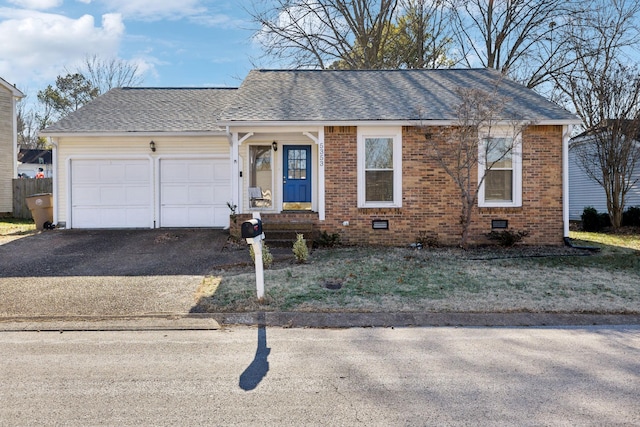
(30, 160)
(9, 96)
(293, 145)
(585, 192)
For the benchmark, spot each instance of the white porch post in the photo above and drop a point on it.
(320, 143)
(235, 172)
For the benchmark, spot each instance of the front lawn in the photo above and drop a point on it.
(524, 279)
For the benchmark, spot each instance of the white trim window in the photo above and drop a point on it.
(500, 162)
(379, 167)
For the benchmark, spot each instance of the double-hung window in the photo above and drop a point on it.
(500, 163)
(379, 167)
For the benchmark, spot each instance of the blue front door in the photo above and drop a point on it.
(297, 177)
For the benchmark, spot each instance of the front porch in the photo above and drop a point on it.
(281, 229)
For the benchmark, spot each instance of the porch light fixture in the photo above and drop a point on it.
(152, 145)
(274, 145)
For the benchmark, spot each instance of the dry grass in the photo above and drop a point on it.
(551, 279)
(12, 229)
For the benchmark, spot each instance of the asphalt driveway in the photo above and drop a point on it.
(62, 253)
(63, 273)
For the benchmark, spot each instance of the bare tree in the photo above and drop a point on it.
(515, 37)
(473, 143)
(108, 73)
(28, 127)
(316, 33)
(603, 88)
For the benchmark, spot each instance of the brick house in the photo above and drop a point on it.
(341, 150)
(9, 96)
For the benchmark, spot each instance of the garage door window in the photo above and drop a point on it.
(261, 176)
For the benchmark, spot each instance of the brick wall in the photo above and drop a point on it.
(431, 203)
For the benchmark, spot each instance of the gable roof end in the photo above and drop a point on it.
(11, 88)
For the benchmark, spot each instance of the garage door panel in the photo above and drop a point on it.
(177, 216)
(111, 193)
(193, 193)
(137, 195)
(222, 172)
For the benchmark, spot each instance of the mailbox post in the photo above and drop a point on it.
(252, 231)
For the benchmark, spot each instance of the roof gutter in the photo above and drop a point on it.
(293, 123)
(221, 132)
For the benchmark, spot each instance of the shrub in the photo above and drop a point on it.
(594, 221)
(427, 240)
(300, 249)
(631, 217)
(326, 240)
(507, 238)
(267, 258)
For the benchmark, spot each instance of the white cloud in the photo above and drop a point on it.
(153, 10)
(218, 20)
(42, 45)
(36, 4)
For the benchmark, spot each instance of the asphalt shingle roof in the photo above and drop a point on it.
(304, 96)
(353, 95)
(148, 110)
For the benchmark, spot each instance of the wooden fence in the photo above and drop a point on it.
(24, 187)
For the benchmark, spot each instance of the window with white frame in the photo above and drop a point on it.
(500, 163)
(379, 167)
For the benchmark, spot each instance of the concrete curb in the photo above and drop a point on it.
(348, 320)
(212, 321)
(162, 322)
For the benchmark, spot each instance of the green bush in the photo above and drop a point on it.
(594, 221)
(267, 258)
(326, 240)
(300, 249)
(507, 238)
(631, 217)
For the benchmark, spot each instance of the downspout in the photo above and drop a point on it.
(14, 115)
(54, 160)
(566, 135)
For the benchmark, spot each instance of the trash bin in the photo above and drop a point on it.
(41, 207)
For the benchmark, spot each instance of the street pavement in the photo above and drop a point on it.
(580, 376)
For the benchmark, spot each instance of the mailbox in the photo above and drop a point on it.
(251, 228)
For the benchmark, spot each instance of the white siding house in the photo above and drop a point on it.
(585, 192)
(9, 96)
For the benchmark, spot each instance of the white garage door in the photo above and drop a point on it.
(194, 193)
(111, 194)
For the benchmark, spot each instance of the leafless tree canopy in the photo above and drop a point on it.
(28, 127)
(315, 33)
(604, 90)
(521, 38)
(355, 34)
(108, 73)
(517, 37)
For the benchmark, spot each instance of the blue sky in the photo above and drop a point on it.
(175, 42)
